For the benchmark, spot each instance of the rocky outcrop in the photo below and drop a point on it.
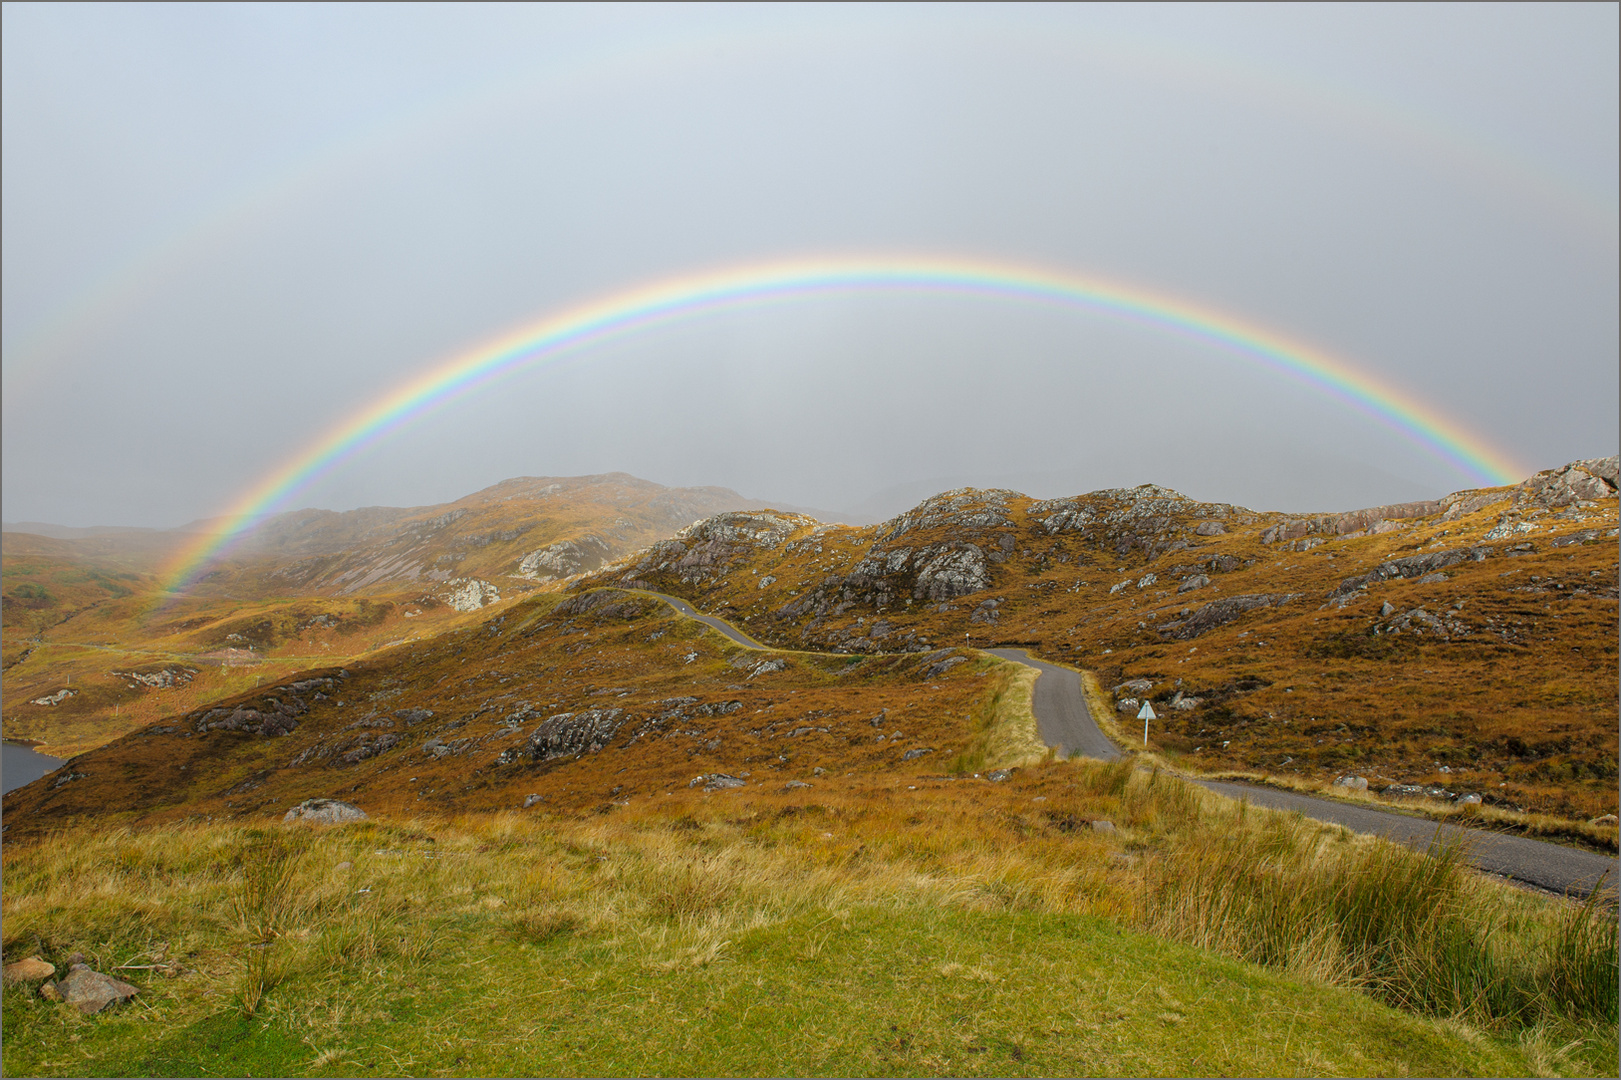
(162, 679)
(565, 558)
(1409, 567)
(1221, 612)
(469, 594)
(1354, 523)
(54, 699)
(1578, 482)
(567, 734)
(324, 812)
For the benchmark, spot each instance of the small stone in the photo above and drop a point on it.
(1607, 819)
(917, 753)
(1354, 783)
(818, 771)
(345, 865)
(997, 776)
(325, 812)
(1102, 826)
(92, 991)
(790, 785)
(1468, 800)
(1387, 609)
(75, 958)
(49, 992)
(32, 969)
(532, 800)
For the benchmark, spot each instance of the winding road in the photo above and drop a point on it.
(1066, 724)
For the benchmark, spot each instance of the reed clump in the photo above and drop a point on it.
(1418, 929)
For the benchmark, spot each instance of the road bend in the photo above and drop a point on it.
(1066, 724)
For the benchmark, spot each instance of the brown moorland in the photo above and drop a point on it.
(591, 701)
(88, 612)
(1467, 644)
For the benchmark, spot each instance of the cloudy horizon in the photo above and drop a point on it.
(228, 229)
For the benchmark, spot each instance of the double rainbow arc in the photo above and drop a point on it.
(689, 295)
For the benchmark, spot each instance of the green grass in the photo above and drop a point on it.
(862, 991)
(957, 928)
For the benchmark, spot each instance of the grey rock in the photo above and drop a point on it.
(911, 755)
(1410, 567)
(1607, 819)
(1210, 528)
(567, 734)
(1470, 799)
(1102, 826)
(1432, 579)
(1220, 612)
(325, 812)
(1194, 581)
(1387, 608)
(792, 784)
(92, 991)
(565, 558)
(997, 776)
(532, 800)
(1354, 783)
(717, 781)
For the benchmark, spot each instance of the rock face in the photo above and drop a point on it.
(92, 991)
(32, 969)
(567, 734)
(325, 812)
(565, 558)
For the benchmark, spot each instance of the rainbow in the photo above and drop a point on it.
(689, 295)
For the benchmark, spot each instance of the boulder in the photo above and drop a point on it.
(792, 784)
(1607, 819)
(1102, 826)
(32, 969)
(92, 991)
(531, 800)
(917, 753)
(1469, 800)
(1354, 783)
(1196, 581)
(325, 812)
(997, 776)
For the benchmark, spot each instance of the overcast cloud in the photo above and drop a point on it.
(228, 228)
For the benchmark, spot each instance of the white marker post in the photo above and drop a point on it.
(1145, 714)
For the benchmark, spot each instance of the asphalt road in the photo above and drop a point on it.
(708, 620)
(1066, 723)
(1553, 867)
(1060, 707)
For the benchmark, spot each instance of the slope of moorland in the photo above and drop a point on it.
(1467, 645)
(87, 614)
(598, 699)
(605, 839)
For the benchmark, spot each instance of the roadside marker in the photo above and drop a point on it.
(1145, 714)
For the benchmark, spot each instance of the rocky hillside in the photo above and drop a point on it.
(587, 701)
(1467, 642)
(307, 588)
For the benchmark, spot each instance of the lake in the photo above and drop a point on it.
(21, 765)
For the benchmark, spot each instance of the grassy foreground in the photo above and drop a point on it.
(953, 926)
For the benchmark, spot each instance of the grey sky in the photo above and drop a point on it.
(228, 228)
